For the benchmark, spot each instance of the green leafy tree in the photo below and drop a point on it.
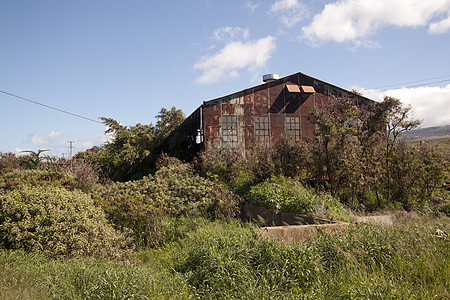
(359, 155)
(128, 151)
(338, 149)
(133, 150)
(168, 121)
(397, 122)
(35, 158)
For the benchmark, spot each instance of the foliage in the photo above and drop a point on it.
(359, 156)
(287, 194)
(133, 151)
(9, 162)
(446, 208)
(28, 275)
(57, 222)
(173, 191)
(35, 157)
(282, 193)
(226, 168)
(128, 151)
(84, 174)
(36, 178)
(291, 158)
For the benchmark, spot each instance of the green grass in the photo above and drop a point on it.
(219, 260)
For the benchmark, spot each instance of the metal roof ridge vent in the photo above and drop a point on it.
(270, 77)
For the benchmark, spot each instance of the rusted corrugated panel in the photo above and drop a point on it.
(211, 118)
(277, 104)
(228, 108)
(247, 117)
(277, 100)
(261, 100)
(272, 101)
(292, 88)
(248, 98)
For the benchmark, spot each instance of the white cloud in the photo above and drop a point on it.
(290, 12)
(350, 20)
(45, 140)
(231, 33)
(440, 27)
(234, 56)
(430, 104)
(251, 7)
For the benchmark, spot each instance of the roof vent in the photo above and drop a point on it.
(270, 77)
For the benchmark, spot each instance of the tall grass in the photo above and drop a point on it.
(228, 260)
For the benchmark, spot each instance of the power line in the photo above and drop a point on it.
(416, 81)
(51, 107)
(428, 83)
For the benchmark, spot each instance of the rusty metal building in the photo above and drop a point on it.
(259, 115)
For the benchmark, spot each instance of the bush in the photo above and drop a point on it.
(59, 223)
(17, 178)
(8, 162)
(174, 191)
(85, 176)
(282, 193)
(287, 194)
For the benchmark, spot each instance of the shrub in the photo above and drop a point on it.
(85, 176)
(174, 191)
(287, 194)
(59, 223)
(17, 178)
(8, 162)
(446, 208)
(282, 193)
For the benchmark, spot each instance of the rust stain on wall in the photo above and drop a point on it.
(294, 97)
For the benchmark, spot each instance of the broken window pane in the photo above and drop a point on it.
(230, 132)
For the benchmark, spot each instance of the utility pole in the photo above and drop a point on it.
(70, 149)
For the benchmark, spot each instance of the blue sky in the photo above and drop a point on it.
(128, 59)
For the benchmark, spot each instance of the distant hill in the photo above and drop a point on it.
(429, 133)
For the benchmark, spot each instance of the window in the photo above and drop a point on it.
(262, 133)
(230, 132)
(293, 127)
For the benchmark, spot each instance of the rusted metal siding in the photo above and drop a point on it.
(277, 107)
(272, 100)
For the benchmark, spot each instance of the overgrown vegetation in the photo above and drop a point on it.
(116, 222)
(227, 260)
(287, 194)
(58, 223)
(358, 156)
(173, 191)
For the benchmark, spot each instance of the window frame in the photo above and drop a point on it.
(230, 132)
(262, 130)
(293, 129)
